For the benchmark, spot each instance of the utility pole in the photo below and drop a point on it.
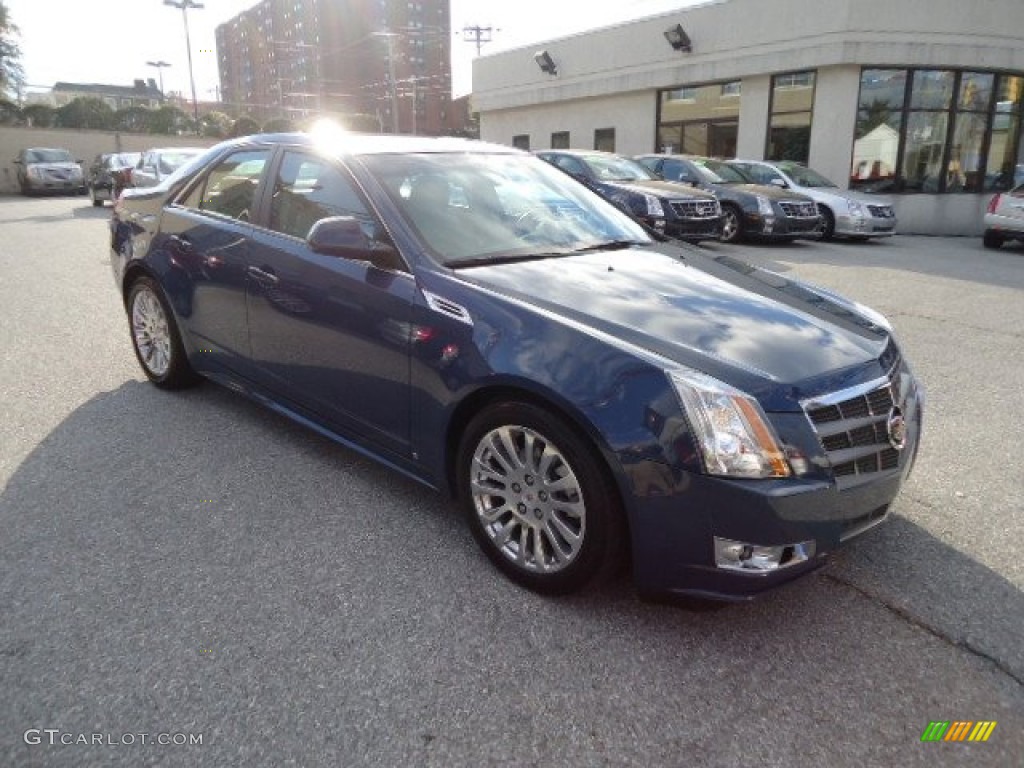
(184, 5)
(478, 35)
(160, 69)
(392, 86)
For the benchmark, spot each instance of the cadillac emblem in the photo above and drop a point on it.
(896, 426)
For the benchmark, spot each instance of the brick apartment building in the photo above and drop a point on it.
(388, 62)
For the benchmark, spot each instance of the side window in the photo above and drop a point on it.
(673, 170)
(230, 188)
(571, 165)
(309, 188)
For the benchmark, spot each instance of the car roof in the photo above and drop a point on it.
(344, 143)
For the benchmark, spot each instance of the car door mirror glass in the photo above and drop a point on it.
(778, 183)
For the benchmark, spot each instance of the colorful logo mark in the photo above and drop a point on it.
(958, 730)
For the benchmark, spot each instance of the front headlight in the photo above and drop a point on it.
(732, 432)
(764, 206)
(653, 206)
(856, 209)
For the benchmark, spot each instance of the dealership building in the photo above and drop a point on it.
(918, 100)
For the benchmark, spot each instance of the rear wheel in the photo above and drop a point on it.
(155, 337)
(731, 226)
(992, 239)
(538, 500)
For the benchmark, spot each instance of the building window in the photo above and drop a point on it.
(707, 123)
(789, 119)
(604, 139)
(937, 131)
(522, 141)
(560, 140)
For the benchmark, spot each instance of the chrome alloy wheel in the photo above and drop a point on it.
(730, 225)
(151, 333)
(528, 499)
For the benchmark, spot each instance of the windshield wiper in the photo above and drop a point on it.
(610, 245)
(486, 261)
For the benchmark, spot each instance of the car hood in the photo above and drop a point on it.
(765, 190)
(770, 336)
(667, 189)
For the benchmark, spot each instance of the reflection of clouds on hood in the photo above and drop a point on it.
(678, 306)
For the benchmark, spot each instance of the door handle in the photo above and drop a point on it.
(263, 275)
(180, 242)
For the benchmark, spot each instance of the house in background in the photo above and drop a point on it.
(143, 93)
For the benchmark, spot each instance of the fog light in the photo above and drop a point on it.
(769, 224)
(741, 556)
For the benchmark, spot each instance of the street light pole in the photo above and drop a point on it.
(160, 70)
(184, 5)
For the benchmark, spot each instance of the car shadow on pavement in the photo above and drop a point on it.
(175, 558)
(91, 211)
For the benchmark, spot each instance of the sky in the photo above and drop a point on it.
(110, 41)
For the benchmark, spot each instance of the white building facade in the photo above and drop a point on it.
(920, 100)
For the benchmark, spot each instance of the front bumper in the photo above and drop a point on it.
(694, 230)
(865, 226)
(755, 225)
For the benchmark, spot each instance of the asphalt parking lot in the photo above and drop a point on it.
(191, 564)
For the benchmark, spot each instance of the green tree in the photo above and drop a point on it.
(215, 125)
(12, 77)
(278, 125)
(244, 126)
(86, 113)
(169, 119)
(10, 113)
(39, 115)
(132, 120)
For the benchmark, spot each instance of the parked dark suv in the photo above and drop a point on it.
(678, 211)
(749, 211)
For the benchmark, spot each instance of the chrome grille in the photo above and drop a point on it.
(798, 210)
(882, 211)
(852, 426)
(696, 209)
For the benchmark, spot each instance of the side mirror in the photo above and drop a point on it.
(779, 183)
(343, 236)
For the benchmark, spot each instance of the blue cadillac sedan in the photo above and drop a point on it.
(478, 320)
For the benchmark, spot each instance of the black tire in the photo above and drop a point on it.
(732, 224)
(164, 360)
(828, 223)
(992, 239)
(527, 553)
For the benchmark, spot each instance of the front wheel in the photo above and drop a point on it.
(155, 337)
(731, 226)
(538, 500)
(827, 228)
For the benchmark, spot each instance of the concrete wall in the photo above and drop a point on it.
(833, 123)
(632, 116)
(84, 145)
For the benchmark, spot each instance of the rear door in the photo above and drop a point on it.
(208, 233)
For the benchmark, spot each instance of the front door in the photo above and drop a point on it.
(328, 333)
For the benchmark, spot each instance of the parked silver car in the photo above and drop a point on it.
(48, 169)
(157, 164)
(1004, 218)
(843, 213)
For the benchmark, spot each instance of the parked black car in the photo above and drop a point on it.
(674, 209)
(109, 174)
(749, 211)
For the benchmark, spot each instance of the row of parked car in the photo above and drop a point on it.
(700, 198)
(48, 169)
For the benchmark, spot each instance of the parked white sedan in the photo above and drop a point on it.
(1004, 218)
(843, 213)
(155, 165)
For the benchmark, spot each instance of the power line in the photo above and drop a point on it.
(478, 35)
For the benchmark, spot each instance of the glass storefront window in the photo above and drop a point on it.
(936, 131)
(699, 119)
(789, 124)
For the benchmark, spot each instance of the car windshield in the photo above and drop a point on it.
(475, 209)
(614, 168)
(804, 176)
(125, 160)
(723, 173)
(48, 156)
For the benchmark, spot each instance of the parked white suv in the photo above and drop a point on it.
(843, 213)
